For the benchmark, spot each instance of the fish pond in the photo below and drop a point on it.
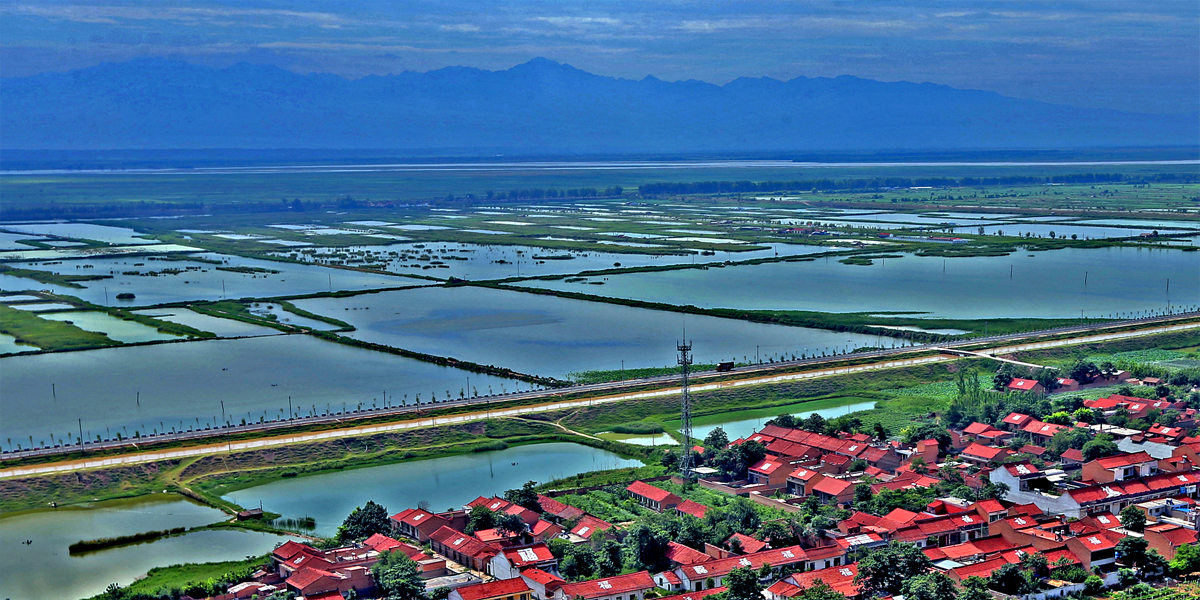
(547, 335)
(182, 386)
(442, 483)
(45, 569)
(1049, 284)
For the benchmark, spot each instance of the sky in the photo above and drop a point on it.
(1135, 55)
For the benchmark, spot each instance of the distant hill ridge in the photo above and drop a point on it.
(538, 106)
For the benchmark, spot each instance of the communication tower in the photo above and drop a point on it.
(685, 402)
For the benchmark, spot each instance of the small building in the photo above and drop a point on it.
(417, 524)
(1168, 537)
(1097, 550)
(503, 589)
(834, 491)
(690, 507)
(632, 586)
(983, 455)
(512, 561)
(588, 526)
(1120, 467)
(1025, 385)
(770, 472)
(544, 585)
(655, 499)
(801, 480)
(466, 550)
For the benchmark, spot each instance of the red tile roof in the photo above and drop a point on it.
(985, 452)
(609, 586)
(1175, 534)
(1022, 384)
(981, 569)
(1021, 469)
(689, 507)
(646, 490)
(1099, 541)
(306, 576)
(721, 567)
(1124, 460)
(841, 579)
(693, 595)
(1040, 428)
(528, 556)
(833, 487)
(749, 545)
(768, 466)
(463, 543)
(683, 555)
(494, 589)
(548, 580)
(589, 525)
(1017, 419)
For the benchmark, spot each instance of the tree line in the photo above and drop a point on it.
(877, 183)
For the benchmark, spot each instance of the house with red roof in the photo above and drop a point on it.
(1166, 538)
(1120, 467)
(1040, 432)
(980, 569)
(502, 589)
(632, 586)
(1024, 385)
(985, 434)
(1071, 458)
(1066, 384)
(695, 576)
(801, 480)
(1096, 551)
(834, 491)
(310, 581)
(840, 579)
(466, 550)
(680, 555)
(744, 544)
(589, 526)
(557, 511)
(1015, 421)
(983, 455)
(417, 524)
(693, 595)
(656, 499)
(771, 472)
(511, 561)
(690, 507)
(544, 531)
(544, 585)
(991, 509)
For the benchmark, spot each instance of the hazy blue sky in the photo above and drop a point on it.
(1128, 54)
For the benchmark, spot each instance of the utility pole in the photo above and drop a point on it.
(685, 404)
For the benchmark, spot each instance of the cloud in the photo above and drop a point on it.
(460, 28)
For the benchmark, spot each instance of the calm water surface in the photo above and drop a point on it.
(1042, 284)
(546, 335)
(118, 329)
(444, 483)
(204, 282)
(740, 428)
(44, 569)
(182, 385)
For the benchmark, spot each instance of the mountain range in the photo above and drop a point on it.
(538, 107)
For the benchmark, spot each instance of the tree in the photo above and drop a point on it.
(1086, 415)
(647, 547)
(1084, 372)
(927, 431)
(512, 524)
(579, 563)
(1132, 550)
(398, 577)
(816, 423)
(1092, 585)
(716, 440)
(1011, 579)
(1099, 448)
(365, 521)
(975, 588)
(742, 584)
(608, 561)
(1155, 566)
(1061, 417)
(886, 568)
(1187, 559)
(1133, 519)
(820, 590)
(932, 586)
(787, 421)
(881, 432)
(480, 518)
(526, 496)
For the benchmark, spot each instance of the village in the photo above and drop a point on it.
(1020, 504)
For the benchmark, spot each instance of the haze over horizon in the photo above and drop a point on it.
(1121, 55)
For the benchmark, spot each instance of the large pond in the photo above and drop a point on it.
(129, 332)
(478, 262)
(44, 568)
(162, 281)
(1022, 284)
(148, 388)
(546, 335)
(83, 231)
(742, 423)
(442, 483)
(1060, 230)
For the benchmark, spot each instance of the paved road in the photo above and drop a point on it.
(755, 376)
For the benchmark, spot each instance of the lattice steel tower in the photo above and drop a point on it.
(685, 404)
